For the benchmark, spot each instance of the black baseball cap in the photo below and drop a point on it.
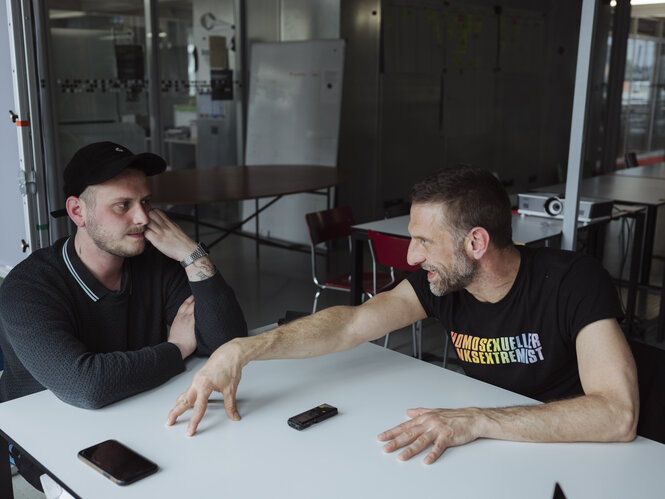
(101, 161)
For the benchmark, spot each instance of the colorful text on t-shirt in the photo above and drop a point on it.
(524, 348)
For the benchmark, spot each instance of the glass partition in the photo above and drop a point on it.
(636, 98)
(96, 58)
(98, 65)
(643, 98)
(658, 136)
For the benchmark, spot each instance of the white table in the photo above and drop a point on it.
(656, 170)
(261, 457)
(628, 189)
(526, 230)
(646, 188)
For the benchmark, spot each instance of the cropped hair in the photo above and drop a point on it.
(471, 197)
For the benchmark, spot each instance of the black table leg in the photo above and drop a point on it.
(197, 236)
(6, 487)
(660, 334)
(649, 235)
(638, 237)
(256, 227)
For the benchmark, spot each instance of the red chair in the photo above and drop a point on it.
(328, 225)
(391, 251)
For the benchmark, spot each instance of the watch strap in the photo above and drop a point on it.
(199, 252)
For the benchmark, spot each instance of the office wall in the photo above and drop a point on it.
(431, 84)
(359, 135)
(428, 84)
(291, 20)
(12, 227)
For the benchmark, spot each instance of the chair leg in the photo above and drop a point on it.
(417, 338)
(414, 339)
(316, 299)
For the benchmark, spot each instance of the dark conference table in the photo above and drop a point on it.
(221, 184)
(236, 183)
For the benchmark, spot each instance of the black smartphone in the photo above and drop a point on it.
(313, 416)
(117, 462)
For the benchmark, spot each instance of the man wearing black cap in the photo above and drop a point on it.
(110, 312)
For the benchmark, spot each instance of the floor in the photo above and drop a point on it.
(280, 280)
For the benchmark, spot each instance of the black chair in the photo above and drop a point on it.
(650, 362)
(630, 159)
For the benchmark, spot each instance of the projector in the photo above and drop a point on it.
(550, 205)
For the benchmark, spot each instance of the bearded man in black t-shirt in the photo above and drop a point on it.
(540, 322)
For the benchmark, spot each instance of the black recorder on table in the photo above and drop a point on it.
(313, 416)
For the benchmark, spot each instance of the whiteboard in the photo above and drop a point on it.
(295, 99)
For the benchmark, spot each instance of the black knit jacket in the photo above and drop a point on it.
(62, 330)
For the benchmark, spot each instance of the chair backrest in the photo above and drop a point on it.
(650, 362)
(330, 224)
(390, 250)
(630, 159)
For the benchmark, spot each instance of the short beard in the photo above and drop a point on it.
(456, 277)
(107, 243)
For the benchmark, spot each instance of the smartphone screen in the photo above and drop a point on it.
(117, 462)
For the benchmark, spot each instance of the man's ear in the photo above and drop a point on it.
(477, 242)
(75, 209)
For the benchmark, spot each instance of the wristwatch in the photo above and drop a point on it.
(200, 251)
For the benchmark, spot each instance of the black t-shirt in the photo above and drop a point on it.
(526, 341)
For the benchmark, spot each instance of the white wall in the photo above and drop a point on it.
(12, 224)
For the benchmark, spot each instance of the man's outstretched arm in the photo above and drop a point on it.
(608, 410)
(331, 330)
